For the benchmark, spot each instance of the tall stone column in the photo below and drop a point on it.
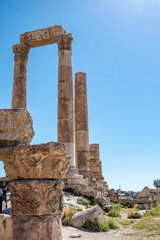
(19, 97)
(81, 124)
(65, 95)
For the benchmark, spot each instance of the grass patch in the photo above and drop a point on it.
(154, 212)
(126, 223)
(119, 207)
(150, 225)
(114, 213)
(111, 224)
(83, 201)
(136, 208)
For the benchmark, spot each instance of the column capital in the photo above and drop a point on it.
(65, 42)
(36, 197)
(21, 52)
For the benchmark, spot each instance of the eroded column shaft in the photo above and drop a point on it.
(65, 96)
(19, 95)
(81, 123)
(95, 163)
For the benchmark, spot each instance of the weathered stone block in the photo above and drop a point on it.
(92, 214)
(15, 127)
(81, 104)
(81, 122)
(33, 228)
(65, 90)
(65, 130)
(42, 37)
(65, 58)
(95, 169)
(65, 74)
(82, 142)
(42, 161)
(65, 109)
(6, 227)
(82, 159)
(80, 84)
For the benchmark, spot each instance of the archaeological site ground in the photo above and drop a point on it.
(47, 186)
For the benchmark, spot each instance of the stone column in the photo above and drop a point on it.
(81, 124)
(19, 97)
(95, 163)
(35, 173)
(36, 207)
(65, 95)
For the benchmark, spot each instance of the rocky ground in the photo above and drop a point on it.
(125, 230)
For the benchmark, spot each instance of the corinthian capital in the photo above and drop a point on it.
(36, 197)
(21, 52)
(65, 42)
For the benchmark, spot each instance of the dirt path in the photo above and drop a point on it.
(68, 232)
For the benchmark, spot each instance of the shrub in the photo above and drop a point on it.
(128, 205)
(95, 226)
(83, 201)
(111, 224)
(67, 216)
(91, 200)
(136, 208)
(119, 207)
(113, 213)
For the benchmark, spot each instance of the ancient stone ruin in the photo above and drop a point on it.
(35, 172)
(148, 198)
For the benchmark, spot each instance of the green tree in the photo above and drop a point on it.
(156, 183)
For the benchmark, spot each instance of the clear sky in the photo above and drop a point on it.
(117, 44)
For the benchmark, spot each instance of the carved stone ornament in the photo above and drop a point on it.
(42, 161)
(36, 197)
(21, 52)
(65, 42)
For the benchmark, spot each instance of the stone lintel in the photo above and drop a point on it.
(47, 36)
(42, 37)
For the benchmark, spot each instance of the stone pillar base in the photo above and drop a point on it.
(36, 228)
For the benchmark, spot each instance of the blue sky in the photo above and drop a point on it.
(116, 43)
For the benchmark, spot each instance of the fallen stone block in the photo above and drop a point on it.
(92, 214)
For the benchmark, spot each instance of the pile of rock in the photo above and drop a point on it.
(121, 198)
(148, 198)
